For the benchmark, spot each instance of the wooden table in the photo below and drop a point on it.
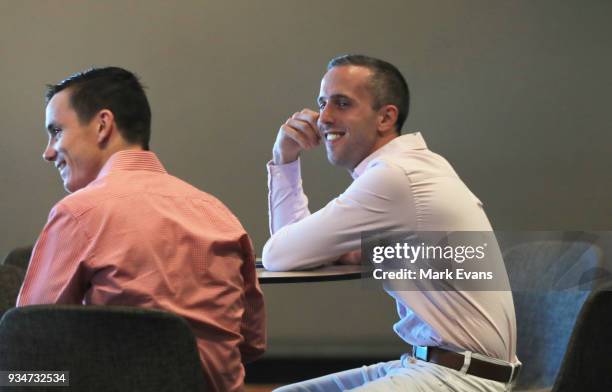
(321, 274)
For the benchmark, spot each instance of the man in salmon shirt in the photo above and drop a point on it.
(131, 234)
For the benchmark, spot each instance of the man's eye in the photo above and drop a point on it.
(321, 105)
(56, 132)
(343, 104)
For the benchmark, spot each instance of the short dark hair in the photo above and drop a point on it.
(387, 84)
(112, 88)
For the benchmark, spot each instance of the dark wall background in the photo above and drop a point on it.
(516, 94)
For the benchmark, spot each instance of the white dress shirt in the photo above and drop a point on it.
(404, 187)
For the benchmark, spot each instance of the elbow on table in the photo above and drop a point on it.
(273, 260)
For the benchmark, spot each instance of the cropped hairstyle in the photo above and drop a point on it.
(112, 88)
(387, 85)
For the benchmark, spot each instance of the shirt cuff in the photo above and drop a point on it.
(287, 175)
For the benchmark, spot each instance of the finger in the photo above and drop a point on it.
(307, 113)
(353, 257)
(310, 116)
(295, 135)
(305, 128)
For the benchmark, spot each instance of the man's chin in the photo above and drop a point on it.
(338, 161)
(70, 187)
(331, 159)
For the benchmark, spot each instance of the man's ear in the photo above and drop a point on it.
(106, 125)
(387, 119)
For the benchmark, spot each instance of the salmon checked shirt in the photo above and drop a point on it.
(137, 236)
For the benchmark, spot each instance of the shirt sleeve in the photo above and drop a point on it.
(287, 202)
(379, 199)
(56, 274)
(253, 326)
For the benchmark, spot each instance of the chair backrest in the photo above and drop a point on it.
(11, 278)
(103, 348)
(19, 257)
(550, 280)
(587, 365)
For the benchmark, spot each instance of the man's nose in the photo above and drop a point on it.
(325, 116)
(49, 154)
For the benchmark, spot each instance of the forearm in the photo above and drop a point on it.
(335, 230)
(253, 325)
(287, 202)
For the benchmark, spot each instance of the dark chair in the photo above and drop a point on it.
(587, 365)
(550, 280)
(19, 257)
(103, 348)
(11, 278)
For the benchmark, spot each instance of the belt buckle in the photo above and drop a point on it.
(516, 370)
(420, 352)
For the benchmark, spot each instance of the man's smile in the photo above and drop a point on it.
(332, 136)
(61, 165)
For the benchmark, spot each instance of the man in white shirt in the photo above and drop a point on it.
(462, 340)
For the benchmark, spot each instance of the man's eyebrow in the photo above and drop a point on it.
(334, 97)
(51, 126)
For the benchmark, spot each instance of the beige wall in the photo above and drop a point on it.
(516, 94)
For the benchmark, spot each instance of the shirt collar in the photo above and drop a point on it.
(411, 141)
(132, 160)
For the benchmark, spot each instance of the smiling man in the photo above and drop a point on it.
(399, 185)
(131, 234)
